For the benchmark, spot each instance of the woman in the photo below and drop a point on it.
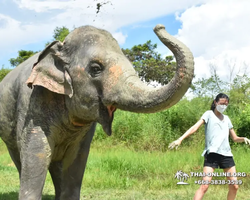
(217, 151)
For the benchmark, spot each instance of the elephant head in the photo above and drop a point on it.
(96, 78)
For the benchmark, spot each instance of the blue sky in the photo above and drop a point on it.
(217, 32)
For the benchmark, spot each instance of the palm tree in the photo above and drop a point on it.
(185, 176)
(179, 175)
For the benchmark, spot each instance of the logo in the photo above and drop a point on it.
(180, 175)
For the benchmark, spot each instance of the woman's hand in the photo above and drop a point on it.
(175, 144)
(247, 141)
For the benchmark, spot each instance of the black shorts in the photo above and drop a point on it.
(215, 160)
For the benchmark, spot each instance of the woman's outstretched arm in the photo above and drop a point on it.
(190, 131)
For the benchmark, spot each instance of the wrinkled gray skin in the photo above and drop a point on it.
(73, 85)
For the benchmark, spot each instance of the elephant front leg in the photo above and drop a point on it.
(72, 176)
(35, 157)
(55, 170)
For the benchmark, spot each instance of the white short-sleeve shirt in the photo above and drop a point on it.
(217, 134)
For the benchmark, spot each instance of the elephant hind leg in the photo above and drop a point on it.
(15, 156)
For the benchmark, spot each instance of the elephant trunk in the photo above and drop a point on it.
(136, 96)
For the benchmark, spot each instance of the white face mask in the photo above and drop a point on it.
(221, 108)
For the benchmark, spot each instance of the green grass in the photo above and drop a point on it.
(121, 173)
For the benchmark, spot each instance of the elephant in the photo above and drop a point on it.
(50, 104)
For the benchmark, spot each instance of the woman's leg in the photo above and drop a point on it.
(232, 188)
(203, 188)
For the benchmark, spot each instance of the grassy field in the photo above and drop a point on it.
(120, 173)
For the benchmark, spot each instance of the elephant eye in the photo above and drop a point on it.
(95, 69)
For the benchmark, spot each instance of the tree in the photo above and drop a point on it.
(208, 87)
(22, 56)
(3, 73)
(239, 94)
(149, 64)
(60, 33)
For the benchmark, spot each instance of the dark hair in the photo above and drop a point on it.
(217, 98)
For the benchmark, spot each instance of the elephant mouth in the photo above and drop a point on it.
(111, 110)
(106, 117)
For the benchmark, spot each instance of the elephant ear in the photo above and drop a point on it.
(50, 72)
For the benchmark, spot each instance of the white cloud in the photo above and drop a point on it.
(227, 64)
(217, 32)
(120, 37)
(43, 6)
(14, 34)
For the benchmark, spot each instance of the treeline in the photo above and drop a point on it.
(155, 131)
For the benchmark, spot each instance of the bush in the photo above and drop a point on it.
(3, 73)
(155, 131)
(243, 124)
(137, 131)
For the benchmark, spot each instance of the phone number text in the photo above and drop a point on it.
(219, 182)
